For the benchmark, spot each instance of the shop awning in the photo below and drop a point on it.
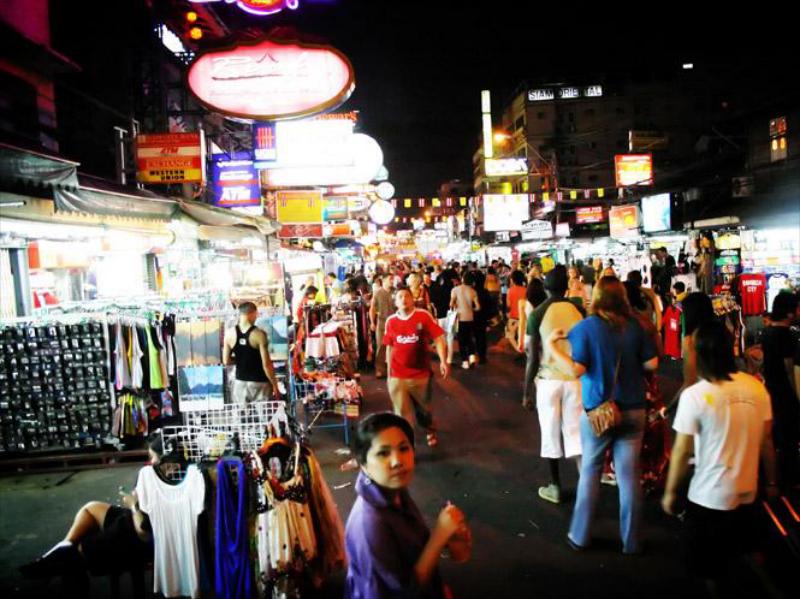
(243, 235)
(104, 198)
(219, 217)
(28, 172)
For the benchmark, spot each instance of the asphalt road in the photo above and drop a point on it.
(487, 463)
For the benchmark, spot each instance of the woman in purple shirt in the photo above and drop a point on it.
(390, 551)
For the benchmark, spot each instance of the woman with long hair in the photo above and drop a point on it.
(576, 287)
(610, 353)
(419, 292)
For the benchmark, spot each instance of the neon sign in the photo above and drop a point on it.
(271, 80)
(260, 8)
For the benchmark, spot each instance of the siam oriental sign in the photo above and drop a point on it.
(271, 80)
(259, 8)
(564, 93)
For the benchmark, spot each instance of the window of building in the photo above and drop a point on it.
(589, 112)
(560, 118)
(19, 113)
(571, 117)
(572, 149)
(592, 178)
(541, 115)
(594, 145)
(519, 123)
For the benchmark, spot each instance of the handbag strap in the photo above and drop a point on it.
(611, 396)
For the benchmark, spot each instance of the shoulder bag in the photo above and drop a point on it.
(607, 415)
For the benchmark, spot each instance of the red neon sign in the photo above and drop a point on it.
(272, 80)
(259, 8)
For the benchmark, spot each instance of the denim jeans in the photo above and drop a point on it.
(626, 444)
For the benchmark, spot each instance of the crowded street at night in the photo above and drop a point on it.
(369, 300)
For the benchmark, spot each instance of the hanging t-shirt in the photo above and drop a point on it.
(122, 368)
(135, 354)
(775, 284)
(173, 511)
(672, 332)
(409, 337)
(753, 291)
(727, 422)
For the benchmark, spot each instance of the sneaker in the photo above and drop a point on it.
(551, 493)
(465, 365)
(473, 359)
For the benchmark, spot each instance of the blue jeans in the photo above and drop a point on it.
(626, 445)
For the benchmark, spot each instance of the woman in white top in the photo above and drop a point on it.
(724, 421)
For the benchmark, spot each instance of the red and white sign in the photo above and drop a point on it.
(623, 221)
(170, 158)
(271, 80)
(588, 215)
(289, 231)
(633, 169)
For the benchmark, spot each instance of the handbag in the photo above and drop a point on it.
(607, 415)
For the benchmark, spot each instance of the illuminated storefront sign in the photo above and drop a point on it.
(288, 231)
(265, 144)
(588, 215)
(366, 159)
(623, 221)
(593, 91)
(633, 169)
(170, 158)
(259, 8)
(505, 212)
(271, 80)
(299, 207)
(335, 208)
(503, 167)
(537, 229)
(234, 181)
(312, 142)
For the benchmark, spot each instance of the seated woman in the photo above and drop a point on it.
(390, 551)
(103, 538)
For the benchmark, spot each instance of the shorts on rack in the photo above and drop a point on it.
(250, 391)
(559, 406)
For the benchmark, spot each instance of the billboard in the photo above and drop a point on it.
(589, 215)
(265, 146)
(504, 167)
(170, 158)
(623, 221)
(299, 207)
(505, 212)
(271, 80)
(234, 181)
(656, 213)
(633, 169)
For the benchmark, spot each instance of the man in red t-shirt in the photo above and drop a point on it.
(408, 335)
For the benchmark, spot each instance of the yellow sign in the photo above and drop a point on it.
(299, 207)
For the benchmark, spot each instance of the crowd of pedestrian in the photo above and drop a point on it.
(592, 345)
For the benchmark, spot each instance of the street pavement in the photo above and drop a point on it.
(486, 463)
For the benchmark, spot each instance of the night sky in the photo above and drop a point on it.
(420, 66)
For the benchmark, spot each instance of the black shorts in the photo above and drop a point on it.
(714, 538)
(116, 548)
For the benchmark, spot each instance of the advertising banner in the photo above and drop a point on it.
(311, 231)
(299, 207)
(656, 213)
(170, 158)
(587, 215)
(505, 212)
(623, 221)
(234, 181)
(633, 169)
(265, 142)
